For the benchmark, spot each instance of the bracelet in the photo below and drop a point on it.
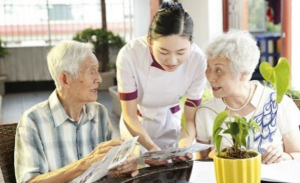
(291, 156)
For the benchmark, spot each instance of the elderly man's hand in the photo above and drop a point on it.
(128, 166)
(102, 149)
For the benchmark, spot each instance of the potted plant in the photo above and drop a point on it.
(237, 163)
(295, 95)
(106, 45)
(3, 50)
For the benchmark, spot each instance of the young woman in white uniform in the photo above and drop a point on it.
(153, 73)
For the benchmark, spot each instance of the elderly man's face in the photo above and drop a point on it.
(84, 89)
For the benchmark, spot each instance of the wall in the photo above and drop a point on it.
(206, 14)
(141, 17)
(295, 44)
(207, 17)
(26, 64)
(30, 64)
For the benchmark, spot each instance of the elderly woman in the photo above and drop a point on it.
(232, 58)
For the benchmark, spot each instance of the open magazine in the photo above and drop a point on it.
(175, 151)
(113, 159)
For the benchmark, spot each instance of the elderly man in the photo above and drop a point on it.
(58, 139)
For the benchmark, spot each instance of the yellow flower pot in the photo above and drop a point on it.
(238, 170)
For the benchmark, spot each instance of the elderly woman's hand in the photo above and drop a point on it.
(273, 154)
(128, 166)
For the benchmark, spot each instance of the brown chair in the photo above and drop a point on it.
(7, 146)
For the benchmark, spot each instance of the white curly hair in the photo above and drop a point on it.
(67, 56)
(239, 47)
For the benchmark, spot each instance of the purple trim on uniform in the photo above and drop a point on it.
(175, 109)
(128, 96)
(155, 63)
(195, 102)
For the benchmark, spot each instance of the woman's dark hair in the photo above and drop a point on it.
(171, 19)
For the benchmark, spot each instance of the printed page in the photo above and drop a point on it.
(285, 171)
(175, 151)
(99, 169)
(113, 158)
(155, 155)
(123, 152)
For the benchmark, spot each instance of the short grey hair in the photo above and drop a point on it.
(239, 47)
(67, 56)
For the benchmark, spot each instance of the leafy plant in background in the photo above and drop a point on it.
(294, 94)
(3, 50)
(239, 128)
(102, 40)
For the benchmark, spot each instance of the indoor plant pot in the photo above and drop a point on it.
(238, 170)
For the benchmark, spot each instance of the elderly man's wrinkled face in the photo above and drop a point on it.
(221, 79)
(84, 88)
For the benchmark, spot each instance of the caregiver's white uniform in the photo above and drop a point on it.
(157, 91)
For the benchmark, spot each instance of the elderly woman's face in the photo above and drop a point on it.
(84, 89)
(221, 79)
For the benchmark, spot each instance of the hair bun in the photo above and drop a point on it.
(166, 5)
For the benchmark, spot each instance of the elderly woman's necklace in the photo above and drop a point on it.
(248, 100)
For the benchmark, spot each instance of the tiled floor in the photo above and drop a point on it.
(13, 105)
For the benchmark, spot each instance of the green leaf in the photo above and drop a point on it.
(217, 138)
(217, 142)
(215, 135)
(234, 128)
(242, 120)
(244, 137)
(267, 72)
(279, 76)
(227, 131)
(219, 120)
(255, 125)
